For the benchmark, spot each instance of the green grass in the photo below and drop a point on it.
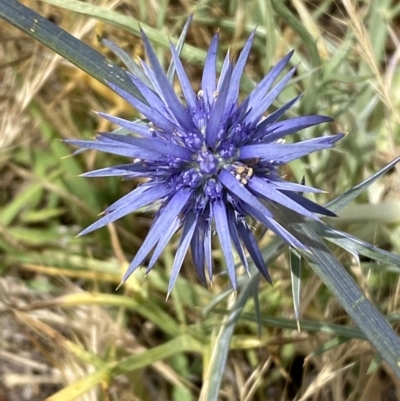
(59, 290)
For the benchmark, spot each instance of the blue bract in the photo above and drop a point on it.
(212, 162)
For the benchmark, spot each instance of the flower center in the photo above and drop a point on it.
(208, 163)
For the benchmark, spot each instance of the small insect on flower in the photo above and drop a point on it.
(212, 162)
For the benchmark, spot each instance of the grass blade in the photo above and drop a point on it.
(366, 316)
(220, 349)
(355, 245)
(343, 200)
(339, 281)
(295, 274)
(64, 44)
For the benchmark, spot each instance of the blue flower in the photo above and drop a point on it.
(212, 162)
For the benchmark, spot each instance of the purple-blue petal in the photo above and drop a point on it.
(116, 149)
(129, 196)
(252, 247)
(232, 223)
(141, 199)
(221, 224)
(179, 111)
(269, 192)
(208, 249)
(208, 80)
(215, 124)
(158, 119)
(309, 204)
(259, 106)
(275, 115)
(281, 129)
(164, 220)
(190, 96)
(234, 85)
(197, 248)
(290, 186)
(189, 226)
(155, 145)
(133, 67)
(266, 83)
(284, 153)
(122, 170)
(138, 128)
(240, 191)
(225, 67)
(153, 79)
(276, 228)
(162, 243)
(152, 98)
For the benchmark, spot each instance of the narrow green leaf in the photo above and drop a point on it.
(377, 26)
(327, 346)
(341, 201)
(257, 309)
(310, 326)
(221, 346)
(182, 343)
(80, 387)
(34, 236)
(295, 274)
(366, 316)
(64, 44)
(265, 17)
(9, 212)
(374, 365)
(220, 350)
(337, 59)
(147, 308)
(338, 280)
(355, 245)
(215, 301)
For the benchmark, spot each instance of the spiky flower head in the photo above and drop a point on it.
(210, 161)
